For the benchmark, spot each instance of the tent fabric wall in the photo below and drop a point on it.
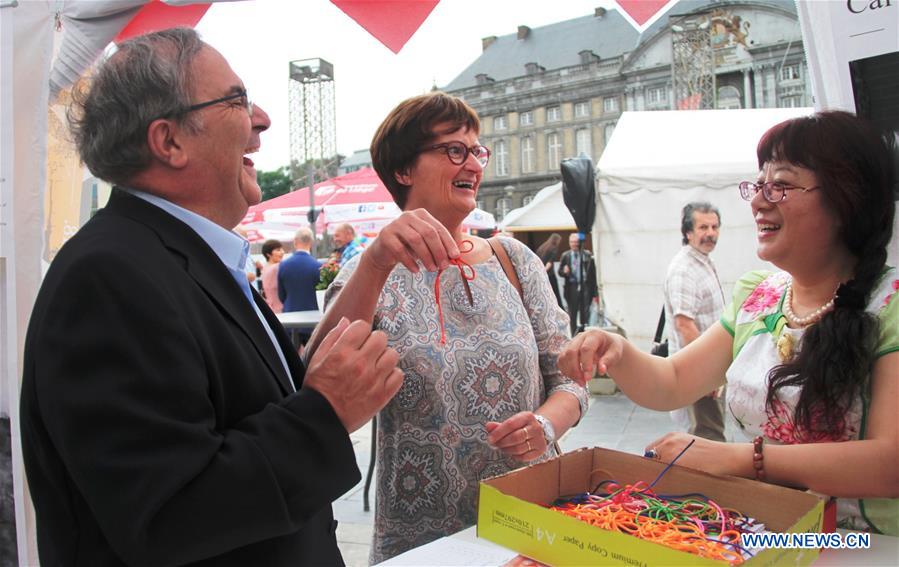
(7, 258)
(655, 163)
(547, 211)
(8, 338)
(33, 25)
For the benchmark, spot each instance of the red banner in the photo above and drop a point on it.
(156, 15)
(642, 10)
(392, 22)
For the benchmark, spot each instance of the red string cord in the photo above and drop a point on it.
(465, 271)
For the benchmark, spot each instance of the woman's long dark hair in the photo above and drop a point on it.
(853, 166)
(549, 250)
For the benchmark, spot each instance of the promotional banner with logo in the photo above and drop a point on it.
(852, 49)
(846, 43)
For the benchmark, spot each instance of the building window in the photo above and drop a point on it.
(553, 151)
(582, 142)
(527, 199)
(729, 98)
(607, 132)
(581, 109)
(527, 154)
(610, 104)
(794, 101)
(500, 123)
(503, 206)
(526, 118)
(501, 158)
(480, 204)
(656, 95)
(553, 113)
(789, 72)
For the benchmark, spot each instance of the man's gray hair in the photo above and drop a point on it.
(303, 236)
(147, 78)
(686, 218)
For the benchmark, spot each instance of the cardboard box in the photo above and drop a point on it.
(512, 512)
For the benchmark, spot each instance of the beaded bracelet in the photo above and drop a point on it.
(758, 457)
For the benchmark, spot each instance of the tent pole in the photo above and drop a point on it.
(310, 173)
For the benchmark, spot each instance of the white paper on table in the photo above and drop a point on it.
(449, 552)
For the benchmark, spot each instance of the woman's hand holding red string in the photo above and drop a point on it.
(413, 236)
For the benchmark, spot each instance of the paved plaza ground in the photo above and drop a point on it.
(612, 421)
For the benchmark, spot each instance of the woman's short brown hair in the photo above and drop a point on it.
(270, 246)
(408, 128)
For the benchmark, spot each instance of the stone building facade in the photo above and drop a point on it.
(557, 91)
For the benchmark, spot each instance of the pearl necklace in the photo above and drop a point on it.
(809, 319)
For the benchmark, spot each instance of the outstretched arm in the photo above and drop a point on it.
(651, 381)
(851, 469)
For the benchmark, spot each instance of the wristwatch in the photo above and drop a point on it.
(549, 432)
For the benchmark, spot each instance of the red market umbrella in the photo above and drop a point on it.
(358, 198)
(361, 186)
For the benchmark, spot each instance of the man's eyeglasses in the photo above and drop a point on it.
(246, 102)
(772, 191)
(457, 152)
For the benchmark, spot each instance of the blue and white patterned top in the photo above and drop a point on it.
(499, 359)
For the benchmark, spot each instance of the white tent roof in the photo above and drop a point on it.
(655, 163)
(659, 146)
(547, 211)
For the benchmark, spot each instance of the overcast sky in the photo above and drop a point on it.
(260, 37)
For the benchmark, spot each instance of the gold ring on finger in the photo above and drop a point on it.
(528, 441)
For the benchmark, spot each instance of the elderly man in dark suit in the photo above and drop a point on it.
(166, 419)
(579, 272)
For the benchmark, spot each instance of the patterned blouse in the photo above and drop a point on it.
(499, 359)
(755, 319)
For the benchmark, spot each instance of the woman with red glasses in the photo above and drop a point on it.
(481, 393)
(810, 354)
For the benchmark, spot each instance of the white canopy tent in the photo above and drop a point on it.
(655, 163)
(547, 211)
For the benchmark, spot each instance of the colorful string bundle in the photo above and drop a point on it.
(692, 523)
(689, 522)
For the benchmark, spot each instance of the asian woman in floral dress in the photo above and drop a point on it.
(481, 393)
(810, 354)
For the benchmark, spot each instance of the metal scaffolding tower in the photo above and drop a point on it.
(313, 131)
(693, 64)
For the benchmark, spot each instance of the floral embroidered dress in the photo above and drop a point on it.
(755, 319)
(499, 359)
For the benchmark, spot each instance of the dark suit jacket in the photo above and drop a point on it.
(297, 277)
(570, 283)
(158, 425)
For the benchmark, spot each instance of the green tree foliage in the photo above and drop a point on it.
(274, 183)
(278, 182)
(321, 169)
